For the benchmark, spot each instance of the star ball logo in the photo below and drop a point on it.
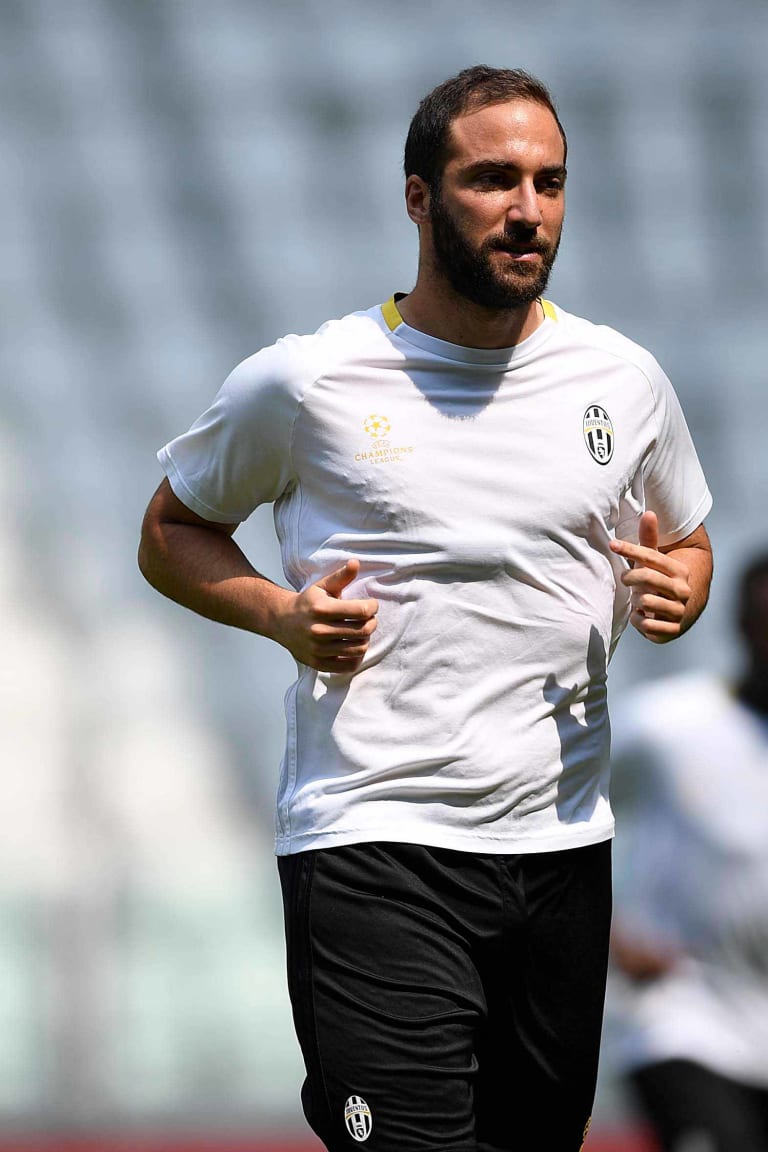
(379, 448)
(377, 427)
(358, 1119)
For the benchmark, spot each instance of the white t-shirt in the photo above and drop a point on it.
(692, 876)
(479, 489)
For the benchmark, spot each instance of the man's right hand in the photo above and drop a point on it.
(321, 629)
(197, 563)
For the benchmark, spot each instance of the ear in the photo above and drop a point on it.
(417, 198)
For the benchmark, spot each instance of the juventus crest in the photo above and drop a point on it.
(358, 1119)
(598, 433)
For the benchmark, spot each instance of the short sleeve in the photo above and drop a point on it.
(237, 455)
(673, 480)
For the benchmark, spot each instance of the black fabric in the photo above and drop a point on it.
(458, 996)
(690, 1107)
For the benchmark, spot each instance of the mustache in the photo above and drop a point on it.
(520, 243)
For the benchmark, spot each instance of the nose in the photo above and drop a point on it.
(523, 210)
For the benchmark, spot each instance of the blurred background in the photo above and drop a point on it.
(181, 182)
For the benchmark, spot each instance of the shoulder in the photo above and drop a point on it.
(290, 365)
(607, 343)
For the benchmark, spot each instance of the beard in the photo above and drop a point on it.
(472, 272)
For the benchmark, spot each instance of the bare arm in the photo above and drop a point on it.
(640, 960)
(197, 563)
(669, 585)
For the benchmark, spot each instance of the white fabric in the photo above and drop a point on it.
(462, 480)
(693, 876)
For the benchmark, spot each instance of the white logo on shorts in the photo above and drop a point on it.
(358, 1119)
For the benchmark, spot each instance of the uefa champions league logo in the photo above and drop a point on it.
(378, 427)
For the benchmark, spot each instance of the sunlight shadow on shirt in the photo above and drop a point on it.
(584, 743)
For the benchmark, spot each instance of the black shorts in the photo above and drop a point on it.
(690, 1106)
(448, 1001)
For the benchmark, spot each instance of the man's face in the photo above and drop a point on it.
(496, 219)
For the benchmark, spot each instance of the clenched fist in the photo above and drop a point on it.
(323, 630)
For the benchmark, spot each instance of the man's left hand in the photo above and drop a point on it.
(660, 584)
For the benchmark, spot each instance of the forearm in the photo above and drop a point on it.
(698, 561)
(669, 585)
(641, 960)
(197, 563)
(203, 569)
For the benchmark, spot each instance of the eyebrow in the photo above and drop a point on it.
(507, 165)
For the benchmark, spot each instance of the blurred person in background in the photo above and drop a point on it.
(691, 926)
(474, 491)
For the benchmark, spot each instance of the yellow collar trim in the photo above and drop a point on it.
(392, 317)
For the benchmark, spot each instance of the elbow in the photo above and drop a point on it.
(143, 560)
(149, 552)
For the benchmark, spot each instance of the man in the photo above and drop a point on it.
(459, 480)
(692, 925)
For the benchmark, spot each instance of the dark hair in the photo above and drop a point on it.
(426, 146)
(753, 574)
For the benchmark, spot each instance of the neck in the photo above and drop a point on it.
(753, 689)
(439, 311)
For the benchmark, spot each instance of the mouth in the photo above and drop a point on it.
(520, 254)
